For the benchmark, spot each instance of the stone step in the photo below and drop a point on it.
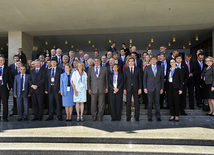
(95, 149)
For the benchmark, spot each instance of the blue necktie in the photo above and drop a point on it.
(37, 71)
(22, 79)
(96, 70)
(52, 73)
(1, 75)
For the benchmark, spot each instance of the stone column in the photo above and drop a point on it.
(18, 39)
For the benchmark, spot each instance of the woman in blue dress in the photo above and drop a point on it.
(79, 83)
(67, 91)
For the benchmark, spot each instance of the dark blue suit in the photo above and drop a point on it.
(21, 95)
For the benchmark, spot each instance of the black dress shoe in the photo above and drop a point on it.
(184, 113)
(199, 105)
(19, 119)
(128, 119)
(34, 119)
(59, 119)
(49, 118)
(99, 119)
(159, 120)
(94, 119)
(39, 119)
(5, 120)
(150, 120)
(192, 108)
(25, 119)
(137, 119)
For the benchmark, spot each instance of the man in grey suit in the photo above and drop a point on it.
(97, 87)
(21, 90)
(153, 83)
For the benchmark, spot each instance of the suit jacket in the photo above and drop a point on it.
(197, 72)
(61, 66)
(58, 73)
(17, 86)
(7, 80)
(35, 55)
(127, 51)
(159, 63)
(134, 80)
(44, 65)
(37, 79)
(23, 58)
(64, 83)
(110, 49)
(185, 72)
(119, 82)
(124, 62)
(139, 63)
(209, 75)
(100, 83)
(152, 83)
(177, 79)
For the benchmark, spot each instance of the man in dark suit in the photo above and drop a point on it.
(97, 88)
(5, 86)
(174, 54)
(22, 56)
(118, 61)
(35, 53)
(15, 71)
(42, 61)
(53, 53)
(21, 93)
(165, 65)
(191, 80)
(59, 56)
(37, 84)
(199, 65)
(138, 62)
(127, 52)
(52, 88)
(122, 56)
(71, 57)
(103, 61)
(185, 76)
(112, 48)
(153, 82)
(132, 87)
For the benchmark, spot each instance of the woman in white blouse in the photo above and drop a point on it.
(79, 83)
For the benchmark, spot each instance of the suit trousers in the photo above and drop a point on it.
(88, 103)
(174, 100)
(136, 103)
(154, 97)
(198, 92)
(183, 98)
(37, 104)
(4, 98)
(191, 92)
(116, 101)
(22, 101)
(55, 98)
(100, 99)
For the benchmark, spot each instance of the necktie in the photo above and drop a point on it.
(131, 71)
(188, 66)
(59, 60)
(96, 70)
(113, 49)
(154, 70)
(22, 79)
(1, 75)
(37, 71)
(52, 73)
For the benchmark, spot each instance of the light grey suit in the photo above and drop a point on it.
(97, 85)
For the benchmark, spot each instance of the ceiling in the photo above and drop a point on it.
(78, 21)
(69, 17)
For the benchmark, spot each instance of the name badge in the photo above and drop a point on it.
(170, 79)
(68, 88)
(52, 79)
(0, 77)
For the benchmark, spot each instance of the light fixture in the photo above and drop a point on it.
(165, 48)
(66, 42)
(2, 48)
(130, 45)
(109, 41)
(149, 44)
(54, 46)
(169, 44)
(89, 41)
(130, 41)
(173, 39)
(184, 47)
(46, 43)
(196, 38)
(72, 46)
(152, 40)
(190, 43)
(96, 49)
(147, 48)
(92, 45)
(77, 49)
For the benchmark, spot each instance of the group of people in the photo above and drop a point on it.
(52, 81)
